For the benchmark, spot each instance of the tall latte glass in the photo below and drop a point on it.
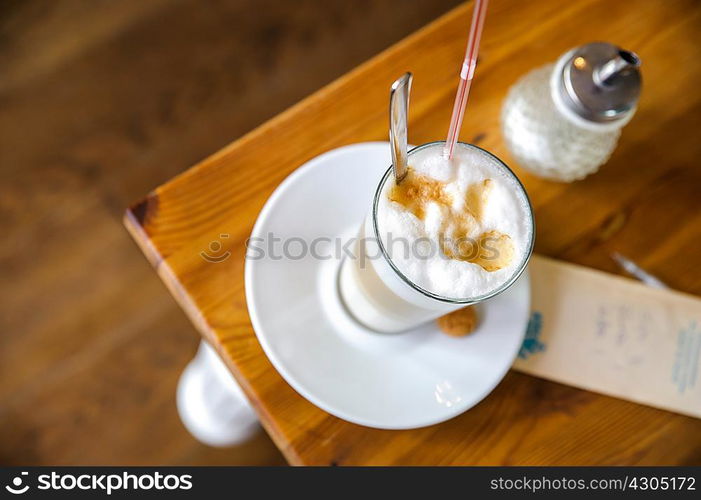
(452, 233)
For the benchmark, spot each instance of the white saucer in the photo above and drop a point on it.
(398, 381)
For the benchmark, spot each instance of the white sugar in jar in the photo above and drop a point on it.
(562, 121)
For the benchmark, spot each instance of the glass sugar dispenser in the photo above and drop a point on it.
(562, 121)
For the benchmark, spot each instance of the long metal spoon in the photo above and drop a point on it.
(398, 110)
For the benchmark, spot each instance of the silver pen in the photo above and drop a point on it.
(636, 271)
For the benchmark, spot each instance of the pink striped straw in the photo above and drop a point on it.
(466, 74)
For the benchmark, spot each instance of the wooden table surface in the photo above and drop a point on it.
(645, 203)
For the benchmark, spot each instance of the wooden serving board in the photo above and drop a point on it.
(645, 203)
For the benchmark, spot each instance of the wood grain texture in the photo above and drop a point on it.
(644, 203)
(99, 102)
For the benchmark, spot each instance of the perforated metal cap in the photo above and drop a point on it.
(600, 82)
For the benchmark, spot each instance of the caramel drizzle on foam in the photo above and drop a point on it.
(460, 237)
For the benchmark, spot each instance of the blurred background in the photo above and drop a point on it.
(101, 101)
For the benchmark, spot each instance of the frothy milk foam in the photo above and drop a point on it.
(466, 220)
(457, 228)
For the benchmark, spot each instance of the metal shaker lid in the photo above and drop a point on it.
(600, 82)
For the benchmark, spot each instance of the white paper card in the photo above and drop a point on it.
(613, 335)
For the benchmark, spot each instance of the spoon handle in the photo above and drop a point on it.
(398, 110)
